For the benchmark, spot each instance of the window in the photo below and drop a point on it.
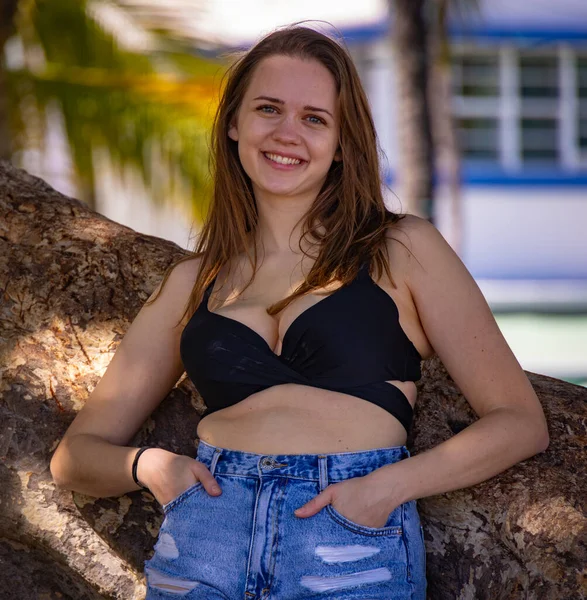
(520, 106)
(539, 77)
(582, 95)
(582, 77)
(539, 141)
(476, 89)
(476, 76)
(478, 138)
(539, 91)
(582, 134)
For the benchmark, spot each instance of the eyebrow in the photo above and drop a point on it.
(307, 107)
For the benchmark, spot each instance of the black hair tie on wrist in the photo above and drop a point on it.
(135, 463)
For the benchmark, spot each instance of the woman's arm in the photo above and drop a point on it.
(460, 327)
(462, 330)
(92, 458)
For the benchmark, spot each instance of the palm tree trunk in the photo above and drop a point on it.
(446, 146)
(7, 14)
(416, 157)
(5, 133)
(86, 187)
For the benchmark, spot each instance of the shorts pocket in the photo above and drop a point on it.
(181, 497)
(391, 527)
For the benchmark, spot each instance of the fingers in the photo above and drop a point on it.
(316, 504)
(207, 479)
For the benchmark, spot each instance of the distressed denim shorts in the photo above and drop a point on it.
(247, 544)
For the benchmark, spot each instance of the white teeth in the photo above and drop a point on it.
(282, 159)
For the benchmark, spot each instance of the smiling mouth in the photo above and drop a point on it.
(282, 160)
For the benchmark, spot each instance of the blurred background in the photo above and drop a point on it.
(480, 108)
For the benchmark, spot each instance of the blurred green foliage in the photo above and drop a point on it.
(150, 111)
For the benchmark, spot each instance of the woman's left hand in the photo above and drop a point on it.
(359, 499)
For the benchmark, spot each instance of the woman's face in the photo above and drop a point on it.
(287, 128)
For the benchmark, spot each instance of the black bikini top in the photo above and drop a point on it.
(349, 342)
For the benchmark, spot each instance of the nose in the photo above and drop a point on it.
(286, 131)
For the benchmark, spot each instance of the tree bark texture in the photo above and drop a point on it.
(71, 283)
(410, 55)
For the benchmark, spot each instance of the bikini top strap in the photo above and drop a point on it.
(364, 269)
(204, 302)
(210, 287)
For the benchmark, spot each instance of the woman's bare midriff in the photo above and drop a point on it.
(297, 419)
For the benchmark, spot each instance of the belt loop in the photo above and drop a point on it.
(323, 472)
(215, 457)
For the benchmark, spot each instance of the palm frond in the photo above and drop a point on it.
(119, 101)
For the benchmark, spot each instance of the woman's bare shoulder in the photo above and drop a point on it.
(182, 274)
(418, 249)
(411, 232)
(406, 239)
(186, 269)
(181, 280)
(429, 266)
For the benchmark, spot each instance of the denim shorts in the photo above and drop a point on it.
(247, 544)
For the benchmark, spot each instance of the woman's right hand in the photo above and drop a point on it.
(167, 474)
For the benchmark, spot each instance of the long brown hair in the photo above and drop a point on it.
(348, 219)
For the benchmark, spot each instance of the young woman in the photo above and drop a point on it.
(302, 318)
